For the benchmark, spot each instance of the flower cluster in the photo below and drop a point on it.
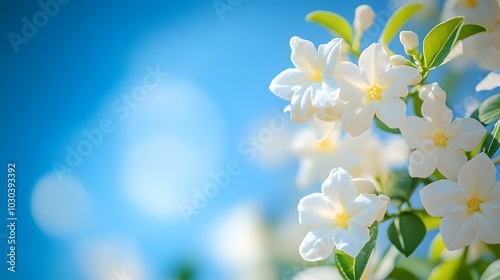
(346, 91)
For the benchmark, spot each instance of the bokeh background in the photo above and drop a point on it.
(106, 168)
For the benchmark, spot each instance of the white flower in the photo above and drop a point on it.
(484, 48)
(340, 216)
(433, 88)
(470, 207)
(439, 142)
(363, 156)
(310, 86)
(409, 40)
(375, 87)
(363, 18)
(317, 157)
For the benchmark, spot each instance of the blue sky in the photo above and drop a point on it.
(81, 68)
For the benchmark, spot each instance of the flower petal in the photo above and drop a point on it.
(365, 209)
(450, 160)
(315, 209)
(391, 111)
(491, 212)
(329, 56)
(457, 230)
(443, 197)
(352, 80)
(351, 240)
(288, 82)
(357, 116)
(398, 77)
(363, 186)
(301, 108)
(423, 163)
(324, 96)
(486, 228)
(491, 195)
(339, 188)
(465, 133)
(374, 61)
(317, 245)
(477, 175)
(415, 132)
(436, 114)
(303, 55)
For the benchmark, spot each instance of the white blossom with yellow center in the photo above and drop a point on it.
(375, 87)
(470, 207)
(310, 86)
(439, 143)
(340, 215)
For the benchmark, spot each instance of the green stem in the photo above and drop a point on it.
(496, 160)
(463, 259)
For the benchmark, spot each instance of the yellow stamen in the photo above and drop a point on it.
(471, 3)
(325, 145)
(440, 139)
(474, 205)
(317, 77)
(374, 92)
(342, 219)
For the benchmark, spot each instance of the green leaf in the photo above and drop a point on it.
(419, 267)
(440, 41)
(401, 274)
(437, 247)
(495, 249)
(489, 110)
(417, 105)
(398, 19)
(333, 22)
(451, 269)
(385, 128)
(352, 268)
(492, 141)
(492, 272)
(468, 30)
(400, 185)
(406, 232)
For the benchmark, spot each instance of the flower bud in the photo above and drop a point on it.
(363, 18)
(409, 40)
(433, 88)
(397, 60)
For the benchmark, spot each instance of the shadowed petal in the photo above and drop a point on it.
(415, 132)
(315, 209)
(477, 175)
(423, 163)
(465, 133)
(450, 160)
(443, 197)
(303, 54)
(339, 188)
(487, 228)
(288, 82)
(375, 62)
(357, 117)
(391, 111)
(435, 113)
(317, 245)
(365, 209)
(457, 230)
(351, 240)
